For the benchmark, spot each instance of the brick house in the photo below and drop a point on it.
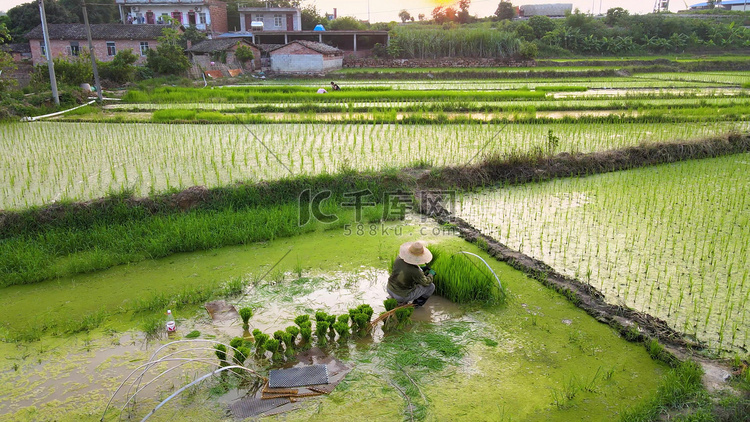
(207, 51)
(205, 15)
(302, 56)
(270, 19)
(69, 40)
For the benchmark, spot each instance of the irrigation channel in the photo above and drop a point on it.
(538, 356)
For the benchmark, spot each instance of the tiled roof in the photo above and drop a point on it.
(102, 31)
(315, 46)
(217, 44)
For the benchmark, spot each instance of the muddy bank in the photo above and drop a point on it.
(532, 167)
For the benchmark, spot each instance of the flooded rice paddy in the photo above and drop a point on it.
(671, 240)
(55, 161)
(537, 357)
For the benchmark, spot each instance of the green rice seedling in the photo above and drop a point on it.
(343, 318)
(236, 342)
(240, 355)
(193, 334)
(272, 345)
(260, 342)
(286, 338)
(331, 320)
(245, 314)
(403, 316)
(462, 280)
(301, 319)
(293, 331)
(321, 316)
(279, 334)
(221, 353)
(321, 329)
(342, 328)
(390, 304)
(366, 310)
(306, 334)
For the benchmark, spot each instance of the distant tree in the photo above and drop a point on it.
(311, 17)
(541, 26)
(191, 34)
(421, 17)
(4, 32)
(121, 69)
(615, 16)
(7, 65)
(463, 15)
(346, 23)
(404, 16)
(99, 11)
(505, 11)
(525, 31)
(443, 15)
(25, 17)
(169, 57)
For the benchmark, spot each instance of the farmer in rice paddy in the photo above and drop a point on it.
(335, 86)
(409, 282)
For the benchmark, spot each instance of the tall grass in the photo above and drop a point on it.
(435, 42)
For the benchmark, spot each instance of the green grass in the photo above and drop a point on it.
(681, 389)
(250, 95)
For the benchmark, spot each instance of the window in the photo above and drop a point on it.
(258, 18)
(277, 19)
(177, 16)
(202, 18)
(144, 47)
(111, 50)
(163, 19)
(42, 47)
(75, 50)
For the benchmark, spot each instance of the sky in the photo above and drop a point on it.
(387, 10)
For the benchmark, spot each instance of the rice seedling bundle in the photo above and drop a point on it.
(462, 280)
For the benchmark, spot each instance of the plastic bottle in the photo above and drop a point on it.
(171, 326)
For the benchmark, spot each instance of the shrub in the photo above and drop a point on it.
(121, 69)
(244, 53)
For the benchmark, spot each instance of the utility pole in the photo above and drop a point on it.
(50, 65)
(91, 52)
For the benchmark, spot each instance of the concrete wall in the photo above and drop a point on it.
(297, 63)
(215, 14)
(60, 48)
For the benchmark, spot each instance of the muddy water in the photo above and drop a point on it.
(543, 341)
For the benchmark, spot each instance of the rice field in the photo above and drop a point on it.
(672, 240)
(52, 161)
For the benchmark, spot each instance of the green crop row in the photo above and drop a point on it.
(239, 95)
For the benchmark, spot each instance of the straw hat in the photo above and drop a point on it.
(414, 253)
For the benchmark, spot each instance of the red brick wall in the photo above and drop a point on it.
(59, 48)
(218, 11)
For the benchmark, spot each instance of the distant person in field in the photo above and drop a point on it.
(335, 86)
(322, 91)
(409, 282)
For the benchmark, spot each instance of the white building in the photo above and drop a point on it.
(271, 18)
(205, 15)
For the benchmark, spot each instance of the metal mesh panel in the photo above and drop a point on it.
(298, 377)
(254, 406)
